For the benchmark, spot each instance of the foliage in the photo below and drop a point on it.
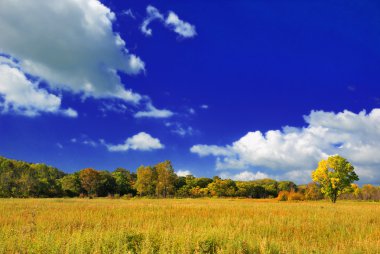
(146, 181)
(222, 188)
(71, 185)
(90, 180)
(22, 179)
(123, 181)
(166, 179)
(334, 175)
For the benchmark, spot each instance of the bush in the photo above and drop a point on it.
(296, 196)
(283, 195)
(286, 195)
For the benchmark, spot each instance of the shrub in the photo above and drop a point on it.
(296, 196)
(283, 195)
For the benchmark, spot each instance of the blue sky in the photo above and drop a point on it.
(240, 89)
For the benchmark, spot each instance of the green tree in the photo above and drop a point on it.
(334, 175)
(286, 186)
(123, 180)
(250, 190)
(107, 184)
(222, 188)
(71, 185)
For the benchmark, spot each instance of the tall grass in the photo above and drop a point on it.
(187, 226)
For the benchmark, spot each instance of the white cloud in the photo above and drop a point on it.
(70, 44)
(129, 13)
(85, 140)
(179, 26)
(70, 112)
(180, 129)
(89, 142)
(152, 14)
(244, 176)
(183, 131)
(172, 21)
(295, 151)
(204, 106)
(205, 150)
(153, 112)
(21, 96)
(183, 172)
(112, 106)
(141, 141)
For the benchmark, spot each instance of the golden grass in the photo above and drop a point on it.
(187, 226)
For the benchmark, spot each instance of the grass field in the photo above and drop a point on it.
(187, 226)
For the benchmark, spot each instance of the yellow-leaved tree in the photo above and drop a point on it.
(334, 175)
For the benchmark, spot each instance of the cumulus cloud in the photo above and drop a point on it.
(179, 26)
(153, 112)
(295, 151)
(141, 141)
(21, 96)
(172, 22)
(204, 106)
(183, 172)
(244, 176)
(69, 44)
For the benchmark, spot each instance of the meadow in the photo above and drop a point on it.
(187, 226)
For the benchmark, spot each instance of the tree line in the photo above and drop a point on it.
(22, 179)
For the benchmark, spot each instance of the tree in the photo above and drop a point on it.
(107, 184)
(71, 185)
(222, 188)
(146, 181)
(166, 179)
(313, 192)
(123, 181)
(286, 186)
(334, 175)
(250, 190)
(90, 180)
(370, 192)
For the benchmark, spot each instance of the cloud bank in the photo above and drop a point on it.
(244, 176)
(294, 152)
(23, 97)
(68, 44)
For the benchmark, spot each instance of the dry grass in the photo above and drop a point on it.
(187, 226)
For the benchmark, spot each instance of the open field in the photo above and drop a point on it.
(187, 226)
